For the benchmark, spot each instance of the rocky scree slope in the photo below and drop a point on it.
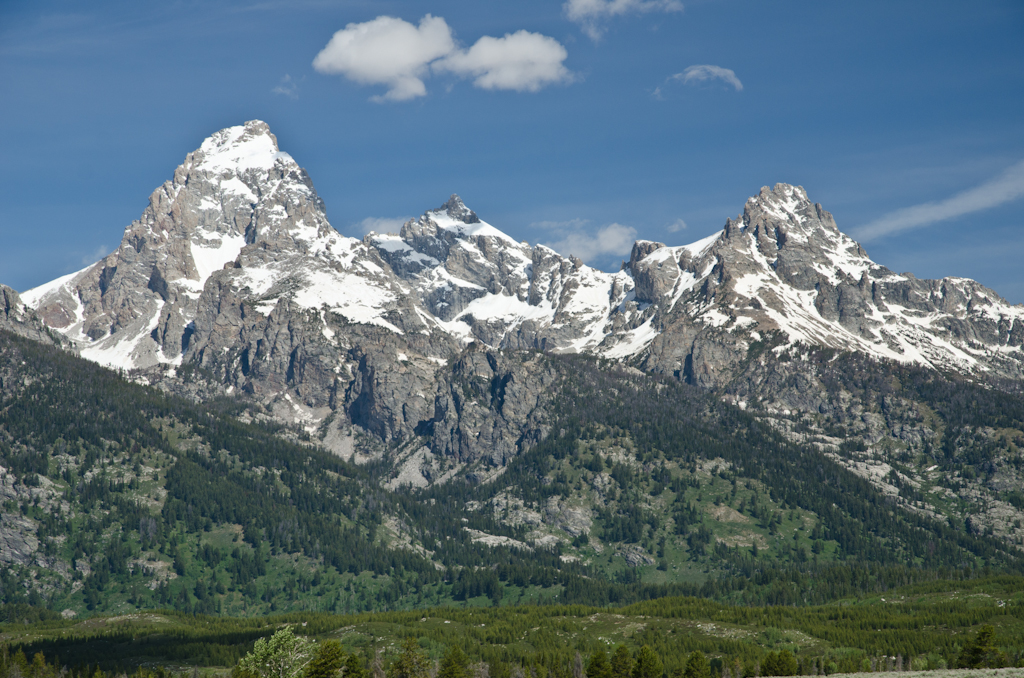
(234, 278)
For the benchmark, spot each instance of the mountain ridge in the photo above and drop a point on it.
(233, 270)
(780, 236)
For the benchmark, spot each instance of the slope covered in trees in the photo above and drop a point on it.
(120, 497)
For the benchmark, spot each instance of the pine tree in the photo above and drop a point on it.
(454, 663)
(598, 666)
(697, 666)
(622, 663)
(982, 652)
(647, 664)
(411, 663)
(354, 667)
(327, 661)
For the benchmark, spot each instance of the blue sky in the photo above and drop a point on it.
(578, 123)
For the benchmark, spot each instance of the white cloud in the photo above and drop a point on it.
(393, 52)
(705, 72)
(520, 61)
(676, 226)
(1004, 188)
(380, 225)
(387, 51)
(287, 87)
(612, 239)
(591, 13)
(99, 253)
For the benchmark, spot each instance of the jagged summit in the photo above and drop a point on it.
(456, 209)
(18, 318)
(240, 148)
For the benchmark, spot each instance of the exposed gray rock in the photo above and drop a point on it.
(18, 541)
(573, 520)
(635, 556)
(18, 318)
(491, 406)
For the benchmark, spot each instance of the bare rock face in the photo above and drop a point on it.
(18, 540)
(635, 556)
(654, 276)
(491, 406)
(234, 272)
(18, 318)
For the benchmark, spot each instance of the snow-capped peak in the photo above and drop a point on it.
(457, 210)
(782, 199)
(240, 148)
(456, 218)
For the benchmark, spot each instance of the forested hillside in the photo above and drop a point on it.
(117, 497)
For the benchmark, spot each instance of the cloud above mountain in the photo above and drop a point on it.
(393, 52)
(379, 225)
(676, 226)
(1004, 188)
(387, 51)
(520, 61)
(613, 239)
(592, 15)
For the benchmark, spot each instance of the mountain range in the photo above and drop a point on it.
(233, 268)
(444, 355)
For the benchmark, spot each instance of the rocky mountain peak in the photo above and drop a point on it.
(134, 308)
(776, 212)
(641, 248)
(457, 210)
(781, 230)
(239, 148)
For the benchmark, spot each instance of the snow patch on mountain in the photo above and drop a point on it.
(34, 297)
(240, 148)
(212, 257)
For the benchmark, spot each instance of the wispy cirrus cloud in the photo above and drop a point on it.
(393, 52)
(95, 255)
(287, 87)
(706, 72)
(1004, 188)
(592, 15)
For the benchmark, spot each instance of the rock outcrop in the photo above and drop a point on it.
(17, 317)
